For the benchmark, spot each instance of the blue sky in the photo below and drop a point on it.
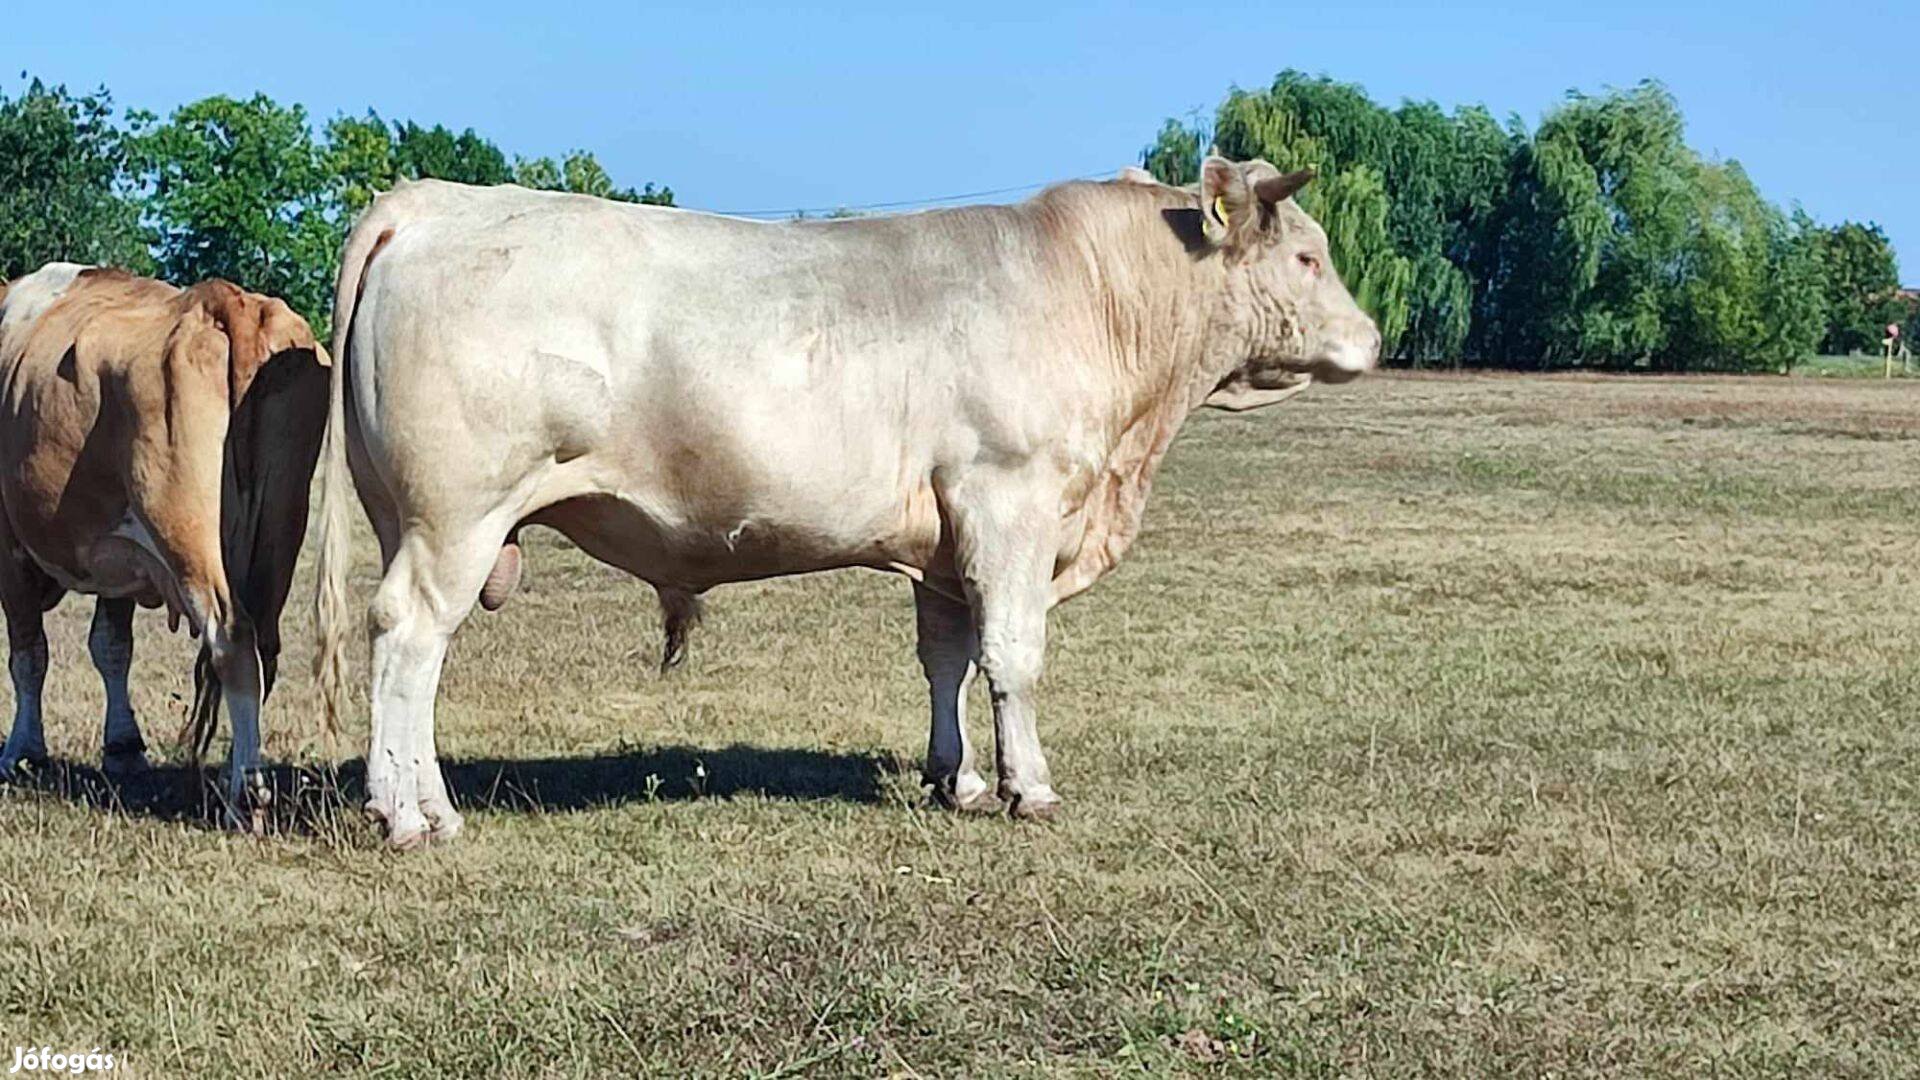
(789, 105)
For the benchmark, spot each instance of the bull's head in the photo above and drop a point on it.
(1286, 306)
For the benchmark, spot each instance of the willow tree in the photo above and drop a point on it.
(1301, 122)
(1407, 196)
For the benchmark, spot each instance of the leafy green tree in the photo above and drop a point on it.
(1423, 187)
(1716, 317)
(1333, 127)
(439, 153)
(582, 174)
(360, 154)
(1618, 173)
(240, 190)
(369, 155)
(1793, 297)
(1597, 238)
(1354, 206)
(1862, 280)
(1174, 157)
(60, 163)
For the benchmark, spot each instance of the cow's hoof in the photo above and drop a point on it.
(20, 768)
(964, 792)
(1038, 805)
(249, 810)
(124, 765)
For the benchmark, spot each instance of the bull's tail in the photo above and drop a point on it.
(336, 484)
(680, 612)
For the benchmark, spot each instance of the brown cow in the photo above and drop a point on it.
(156, 445)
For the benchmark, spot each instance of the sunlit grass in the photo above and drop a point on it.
(1476, 726)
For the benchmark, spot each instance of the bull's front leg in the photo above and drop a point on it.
(948, 647)
(1005, 543)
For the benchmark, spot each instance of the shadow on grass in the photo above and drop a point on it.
(316, 800)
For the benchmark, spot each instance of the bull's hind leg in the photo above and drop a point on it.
(110, 642)
(427, 591)
(948, 647)
(26, 593)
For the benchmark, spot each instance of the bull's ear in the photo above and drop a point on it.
(1275, 189)
(1225, 200)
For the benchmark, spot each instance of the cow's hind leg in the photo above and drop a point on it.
(227, 674)
(427, 591)
(228, 671)
(110, 642)
(235, 654)
(948, 647)
(26, 593)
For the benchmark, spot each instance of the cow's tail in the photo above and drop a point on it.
(336, 483)
(203, 719)
(271, 445)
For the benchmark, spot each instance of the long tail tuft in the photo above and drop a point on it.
(336, 522)
(203, 720)
(680, 612)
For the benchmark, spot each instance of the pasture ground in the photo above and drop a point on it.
(1437, 725)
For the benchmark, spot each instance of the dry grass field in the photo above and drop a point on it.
(1437, 725)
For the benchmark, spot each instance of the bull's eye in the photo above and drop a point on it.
(1309, 262)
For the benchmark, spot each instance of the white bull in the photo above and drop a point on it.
(976, 398)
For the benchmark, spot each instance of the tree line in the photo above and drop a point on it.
(1597, 238)
(246, 189)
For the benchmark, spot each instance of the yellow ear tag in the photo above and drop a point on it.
(1220, 209)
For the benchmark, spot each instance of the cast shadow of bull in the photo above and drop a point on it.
(323, 800)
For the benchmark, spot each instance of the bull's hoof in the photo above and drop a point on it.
(1040, 805)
